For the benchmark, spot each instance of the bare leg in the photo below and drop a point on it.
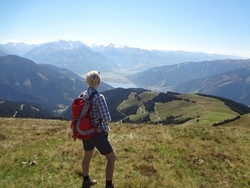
(86, 161)
(110, 165)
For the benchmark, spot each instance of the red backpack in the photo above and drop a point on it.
(81, 125)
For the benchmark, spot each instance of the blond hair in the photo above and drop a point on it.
(93, 78)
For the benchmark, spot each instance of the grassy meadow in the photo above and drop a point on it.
(41, 153)
(189, 108)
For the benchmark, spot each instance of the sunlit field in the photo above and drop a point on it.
(41, 153)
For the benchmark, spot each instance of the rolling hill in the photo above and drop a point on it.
(144, 106)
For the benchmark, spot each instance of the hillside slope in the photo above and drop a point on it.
(143, 106)
(24, 110)
(242, 122)
(233, 85)
(225, 78)
(23, 80)
(38, 153)
(160, 108)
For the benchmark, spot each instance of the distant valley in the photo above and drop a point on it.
(47, 77)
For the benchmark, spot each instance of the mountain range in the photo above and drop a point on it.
(80, 58)
(16, 48)
(47, 75)
(74, 56)
(23, 80)
(226, 78)
(233, 85)
(136, 59)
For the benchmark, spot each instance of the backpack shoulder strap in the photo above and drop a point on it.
(86, 105)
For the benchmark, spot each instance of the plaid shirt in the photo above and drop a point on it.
(100, 111)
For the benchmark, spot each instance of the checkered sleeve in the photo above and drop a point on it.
(103, 108)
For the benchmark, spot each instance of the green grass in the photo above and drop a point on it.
(194, 108)
(147, 155)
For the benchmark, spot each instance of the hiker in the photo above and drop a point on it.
(99, 115)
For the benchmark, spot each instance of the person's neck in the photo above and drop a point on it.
(93, 88)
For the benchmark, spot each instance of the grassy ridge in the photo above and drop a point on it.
(191, 108)
(41, 153)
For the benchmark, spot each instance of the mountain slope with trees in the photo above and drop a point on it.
(233, 85)
(23, 80)
(220, 77)
(24, 110)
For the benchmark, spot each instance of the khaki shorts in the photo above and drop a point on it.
(100, 141)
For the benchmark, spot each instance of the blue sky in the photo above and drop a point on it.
(215, 26)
